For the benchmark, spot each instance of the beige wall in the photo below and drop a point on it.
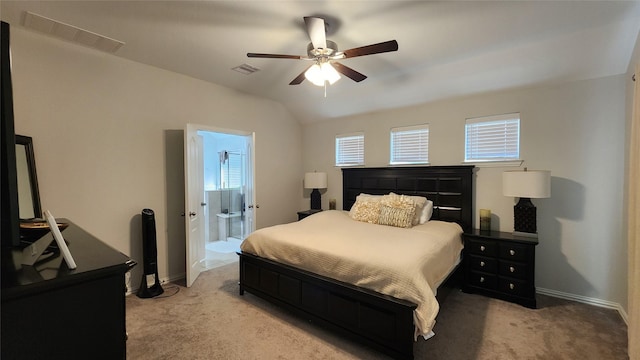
(108, 137)
(635, 60)
(576, 130)
(108, 141)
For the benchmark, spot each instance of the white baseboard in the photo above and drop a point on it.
(586, 300)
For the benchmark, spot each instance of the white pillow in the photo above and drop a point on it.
(427, 211)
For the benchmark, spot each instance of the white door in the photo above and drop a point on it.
(194, 195)
(249, 222)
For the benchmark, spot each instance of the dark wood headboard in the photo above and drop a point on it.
(449, 187)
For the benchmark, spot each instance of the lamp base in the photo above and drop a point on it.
(316, 203)
(524, 217)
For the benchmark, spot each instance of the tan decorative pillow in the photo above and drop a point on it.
(366, 209)
(394, 216)
(419, 203)
(397, 210)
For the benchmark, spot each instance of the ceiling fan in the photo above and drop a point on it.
(324, 54)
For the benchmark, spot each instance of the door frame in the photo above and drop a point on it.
(249, 203)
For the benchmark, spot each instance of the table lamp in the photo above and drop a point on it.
(315, 181)
(526, 184)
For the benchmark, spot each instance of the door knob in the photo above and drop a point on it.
(192, 214)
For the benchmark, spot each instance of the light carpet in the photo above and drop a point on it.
(210, 320)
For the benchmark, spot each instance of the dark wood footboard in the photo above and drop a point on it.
(379, 321)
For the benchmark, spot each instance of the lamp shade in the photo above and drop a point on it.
(315, 180)
(527, 183)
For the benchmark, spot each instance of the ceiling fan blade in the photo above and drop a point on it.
(316, 31)
(382, 47)
(300, 78)
(274, 56)
(348, 72)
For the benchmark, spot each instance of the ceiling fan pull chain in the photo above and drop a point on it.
(325, 88)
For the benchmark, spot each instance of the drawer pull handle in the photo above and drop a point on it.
(511, 286)
(482, 263)
(482, 247)
(512, 252)
(512, 269)
(481, 279)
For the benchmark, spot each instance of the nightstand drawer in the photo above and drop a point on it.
(483, 264)
(513, 269)
(515, 252)
(483, 280)
(481, 247)
(514, 287)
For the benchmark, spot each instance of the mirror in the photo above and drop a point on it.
(28, 193)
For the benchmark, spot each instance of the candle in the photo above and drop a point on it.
(332, 204)
(485, 219)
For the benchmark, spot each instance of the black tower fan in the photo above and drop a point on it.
(150, 254)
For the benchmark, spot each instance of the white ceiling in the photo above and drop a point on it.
(446, 49)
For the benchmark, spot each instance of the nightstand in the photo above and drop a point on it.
(305, 213)
(501, 265)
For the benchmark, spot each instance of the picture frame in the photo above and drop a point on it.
(57, 235)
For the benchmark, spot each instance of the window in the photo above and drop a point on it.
(350, 149)
(231, 171)
(492, 138)
(410, 145)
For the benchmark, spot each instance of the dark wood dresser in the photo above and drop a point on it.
(51, 312)
(501, 265)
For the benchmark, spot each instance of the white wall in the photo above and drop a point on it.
(108, 138)
(576, 130)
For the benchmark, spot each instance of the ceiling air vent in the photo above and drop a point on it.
(245, 69)
(71, 33)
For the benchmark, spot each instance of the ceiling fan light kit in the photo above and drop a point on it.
(318, 74)
(324, 54)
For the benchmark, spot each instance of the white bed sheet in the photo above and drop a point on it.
(407, 264)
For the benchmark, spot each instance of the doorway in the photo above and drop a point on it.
(219, 170)
(225, 173)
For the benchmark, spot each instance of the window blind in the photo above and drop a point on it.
(493, 138)
(350, 149)
(410, 144)
(231, 171)
(235, 170)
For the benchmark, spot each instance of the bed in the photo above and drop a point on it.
(348, 305)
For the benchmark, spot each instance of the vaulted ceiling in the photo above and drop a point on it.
(446, 49)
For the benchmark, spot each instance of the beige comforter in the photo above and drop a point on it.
(407, 264)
